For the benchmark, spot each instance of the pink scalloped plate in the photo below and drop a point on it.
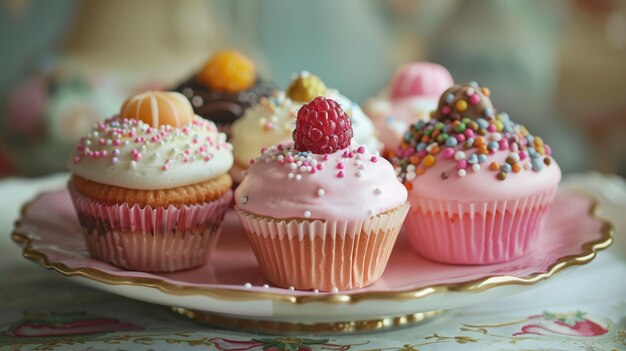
(49, 232)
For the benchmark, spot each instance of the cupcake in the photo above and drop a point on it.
(268, 123)
(224, 88)
(321, 213)
(412, 95)
(306, 86)
(150, 185)
(479, 184)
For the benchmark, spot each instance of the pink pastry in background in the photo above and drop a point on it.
(412, 94)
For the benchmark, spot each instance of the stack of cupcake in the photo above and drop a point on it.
(151, 185)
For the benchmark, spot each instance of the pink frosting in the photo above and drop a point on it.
(482, 185)
(419, 79)
(351, 184)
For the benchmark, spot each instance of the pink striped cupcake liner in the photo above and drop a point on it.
(315, 254)
(476, 232)
(151, 239)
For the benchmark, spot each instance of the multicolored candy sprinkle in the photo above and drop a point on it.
(464, 131)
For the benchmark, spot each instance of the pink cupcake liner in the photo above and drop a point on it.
(150, 239)
(316, 254)
(476, 232)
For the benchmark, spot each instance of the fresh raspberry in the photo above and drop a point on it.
(322, 127)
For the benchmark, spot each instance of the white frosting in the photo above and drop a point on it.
(268, 123)
(130, 154)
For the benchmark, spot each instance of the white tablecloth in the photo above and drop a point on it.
(582, 309)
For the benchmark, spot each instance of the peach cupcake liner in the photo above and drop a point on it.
(316, 254)
(476, 232)
(151, 239)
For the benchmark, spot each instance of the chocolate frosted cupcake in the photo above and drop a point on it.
(224, 88)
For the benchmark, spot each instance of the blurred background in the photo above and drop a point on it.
(557, 66)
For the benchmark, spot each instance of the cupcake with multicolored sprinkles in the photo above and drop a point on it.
(479, 184)
(320, 213)
(150, 185)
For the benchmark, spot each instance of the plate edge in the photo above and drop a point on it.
(589, 251)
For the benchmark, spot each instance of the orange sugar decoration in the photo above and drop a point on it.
(486, 91)
(494, 166)
(429, 160)
(389, 154)
(482, 150)
(420, 170)
(157, 108)
(414, 159)
(516, 168)
(228, 71)
(408, 185)
(435, 150)
(479, 141)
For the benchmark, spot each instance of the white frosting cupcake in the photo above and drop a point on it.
(133, 154)
(270, 122)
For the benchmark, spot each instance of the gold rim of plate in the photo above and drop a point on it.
(265, 326)
(589, 250)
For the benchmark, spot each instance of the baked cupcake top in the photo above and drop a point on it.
(469, 151)
(225, 87)
(306, 86)
(412, 94)
(320, 175)
(268, 123)
(156, 142)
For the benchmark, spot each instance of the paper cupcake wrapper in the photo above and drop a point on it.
(150, 239)
(477, 232)
(316, 254)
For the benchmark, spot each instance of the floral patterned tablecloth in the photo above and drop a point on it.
(583, 309)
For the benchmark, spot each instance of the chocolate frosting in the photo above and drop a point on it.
(465, 100)
(221, 107)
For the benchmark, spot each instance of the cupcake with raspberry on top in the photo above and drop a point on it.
(306, 86)
(320, 213)
(224, 88)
